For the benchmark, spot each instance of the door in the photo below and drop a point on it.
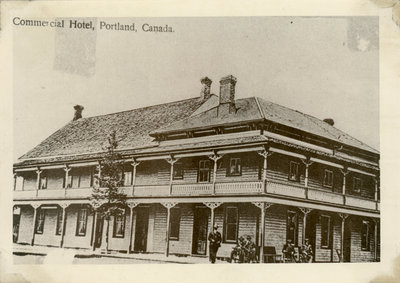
(99, 232)
(141, 229)
(310, 230)
(200, 224)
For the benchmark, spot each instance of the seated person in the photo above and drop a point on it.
(250, 250)
(288, 251)
(306, 251)
(237, 254)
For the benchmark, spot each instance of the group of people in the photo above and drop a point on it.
(305, 252)
(245, 251)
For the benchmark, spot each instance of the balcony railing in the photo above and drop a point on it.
(207, 189)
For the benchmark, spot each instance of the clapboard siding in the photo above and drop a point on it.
(160, 225)
(55, 179)
(49, 237)
(279, 167)
(120, 243)
(25, 225)
(30, 181)
(184, 244)
(316, 174)
(367, 188)
(358, 255)
(70, 238)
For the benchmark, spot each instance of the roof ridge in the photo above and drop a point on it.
(149, 106)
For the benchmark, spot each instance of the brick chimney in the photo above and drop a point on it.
(206, 89)
(78, 112)
(227, 95)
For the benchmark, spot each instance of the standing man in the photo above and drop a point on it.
(215, 242)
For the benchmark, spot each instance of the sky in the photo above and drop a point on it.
(327, 67)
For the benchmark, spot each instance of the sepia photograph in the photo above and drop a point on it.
(205, 140)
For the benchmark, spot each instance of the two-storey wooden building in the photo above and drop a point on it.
(251, 166)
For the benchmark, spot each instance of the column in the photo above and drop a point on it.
(343, 216)
(376, 222)
(376, 193)
(66, 169)
(35, 208)
(38, 172)
(215, 158)
(95, 216)
(263, 206)
(305, 212)
(134, 165)
(131, 205)
(171, 161)
(64, 217)
(307, 163)
(15, 181)
(344, 172)
(212, 206)
(265, 153)
(168, 206)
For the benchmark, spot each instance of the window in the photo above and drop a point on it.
(81, 222)
(43, 182)
(127, 178)
(59, 222)
(40, 221)
(294, 171)
(235, 168)
(357, 184)
(175, 223)
(119, 226)
(325, 231)
(204, 171)
(365, 239)
(328, 178)
(291, 227)
(231, 224)
(178, 171)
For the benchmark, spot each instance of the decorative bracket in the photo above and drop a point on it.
(305, 210)
(135, 163)
(132, 204)
(66, 168)
(265, 153)
(344, 172)
(169, 205)
(307, 162)
(171, 160)
(212, 205)
(215, 157)
(35, 205)
(343, 216)
(64, 205)
(262, 205)
(38, 171)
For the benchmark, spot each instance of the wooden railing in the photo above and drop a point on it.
(207, 189)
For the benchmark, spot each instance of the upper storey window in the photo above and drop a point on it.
(357, 184)
(178, 171)
(235, 167)
(294, 171)
(328, 178)
(204, 171)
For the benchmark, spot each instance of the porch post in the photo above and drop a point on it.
(376, 221)
(344, 172)
(64, 216)
(212, 206)
(38, 172)
(343, 216)
(66, 169)
(168, 206)
(265, 153)
(263, 206)
(134, 165)
(307, 163)
(171, 161)
(35, 208)
(15, 181)
(215, 158)
(131, 205)
(305, 212)
(376, 192)
(95, 207)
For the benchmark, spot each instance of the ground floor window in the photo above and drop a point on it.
(231, 224)
(119, 226)
(175, 221)
(325, 231)
(40, 221)
(291, 227)
(81, 222)
(365, 238)
(59, 221)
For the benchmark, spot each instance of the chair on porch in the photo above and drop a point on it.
(270, 255)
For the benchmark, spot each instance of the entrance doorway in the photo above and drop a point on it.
(312, 219)
(99, 232)
(347, 241)
(142, 224)
(200, 224)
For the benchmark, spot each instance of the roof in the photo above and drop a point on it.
(256, 109)
(89, 135)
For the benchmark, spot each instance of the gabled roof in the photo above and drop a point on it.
(256, 109)
(89, 135)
